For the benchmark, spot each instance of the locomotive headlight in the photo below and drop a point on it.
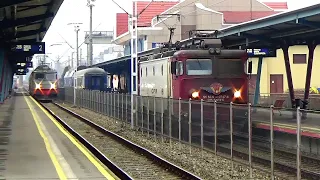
(237, 94)
(38, 86)
(195, 94)
(53, 86)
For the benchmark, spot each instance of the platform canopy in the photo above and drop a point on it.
(295, 27)
(26, 20)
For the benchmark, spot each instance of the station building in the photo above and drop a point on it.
(273, 75)
(202, 14)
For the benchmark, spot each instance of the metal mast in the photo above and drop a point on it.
(90, 53)
(133, 29)
(134, 56)
(77, 29)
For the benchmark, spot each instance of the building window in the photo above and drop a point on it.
(299, 58)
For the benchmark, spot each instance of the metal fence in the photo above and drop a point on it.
(208, 125)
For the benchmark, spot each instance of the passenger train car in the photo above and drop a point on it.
(91, 78)
(43, 83)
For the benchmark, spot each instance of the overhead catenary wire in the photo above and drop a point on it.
(169, 10)
(78, 46)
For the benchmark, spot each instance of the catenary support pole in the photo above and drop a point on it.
(134, 56)
(90, 38)
(77, 28)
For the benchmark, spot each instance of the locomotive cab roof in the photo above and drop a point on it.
(44, 69)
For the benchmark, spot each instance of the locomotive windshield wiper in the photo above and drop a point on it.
(199, 64)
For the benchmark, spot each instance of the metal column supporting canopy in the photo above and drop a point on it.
(311, 46)
(257, 90)
(285, 48)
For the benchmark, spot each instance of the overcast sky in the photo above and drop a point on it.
(104, 19)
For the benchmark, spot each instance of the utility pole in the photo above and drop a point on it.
(80, 59)
(133, 27)
(76, 29)
(90, 53)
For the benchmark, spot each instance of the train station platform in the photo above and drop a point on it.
(284, 121)
(34, 146)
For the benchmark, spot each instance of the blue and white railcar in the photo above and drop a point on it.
(68, 78)
(92, 78)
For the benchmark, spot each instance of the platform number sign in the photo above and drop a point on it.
(263, 52)
(35, 48)
(24, 65)
(21, 71)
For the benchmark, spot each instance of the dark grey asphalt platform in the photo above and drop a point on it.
(25, 155)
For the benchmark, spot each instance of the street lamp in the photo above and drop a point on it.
(90, 53)
(76, 29)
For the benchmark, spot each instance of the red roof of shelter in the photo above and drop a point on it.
(234, 17)
(145, 18)
(277, 5)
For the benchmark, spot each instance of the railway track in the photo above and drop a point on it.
(126, 159)
(284, 159)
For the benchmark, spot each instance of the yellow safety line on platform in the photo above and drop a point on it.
(53, 158)
(103, 171)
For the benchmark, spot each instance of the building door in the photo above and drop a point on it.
(276, 83)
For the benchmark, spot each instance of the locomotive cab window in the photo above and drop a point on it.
(178, 68)
(39, 76)
(52, 76)
(199, 66)
(230, 67)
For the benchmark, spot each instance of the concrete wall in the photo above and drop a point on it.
(127, 46)
(276, 66)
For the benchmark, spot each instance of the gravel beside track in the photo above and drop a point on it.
(201, 163)
(137, 165)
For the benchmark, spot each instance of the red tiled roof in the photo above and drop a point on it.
(145, 18)
(122, 23)
(154, 9)
(234, 17)
(277, 5)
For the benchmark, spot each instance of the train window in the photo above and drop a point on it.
(39, 76)
(146, 71)
(51, 76)
(162, 69)
(199, 67)
(141, 72)
(153, 71)
(179, 68)
(230, 67)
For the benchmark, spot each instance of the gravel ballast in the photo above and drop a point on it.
(199, 162)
